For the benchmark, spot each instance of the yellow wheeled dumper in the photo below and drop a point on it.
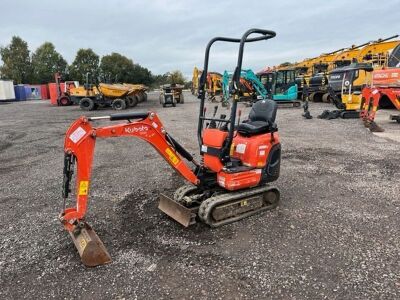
(118, 96)
(138, 91)
(107, 95)
(171, 94)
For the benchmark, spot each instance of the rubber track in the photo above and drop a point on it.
(207, 206)
(182, 191)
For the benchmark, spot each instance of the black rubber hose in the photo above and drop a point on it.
(178, 147)
(129, 116)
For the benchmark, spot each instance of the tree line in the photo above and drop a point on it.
(39, 67)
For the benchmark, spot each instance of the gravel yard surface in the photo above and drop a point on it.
(335, 234)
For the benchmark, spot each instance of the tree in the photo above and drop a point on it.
(45, 62)
(142, 75)
(119, 68)
(160, 79)
(86, 61)
(169, 78)
(176, 77)
(116, 68)
(16, 61)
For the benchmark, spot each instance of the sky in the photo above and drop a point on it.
(166, 35)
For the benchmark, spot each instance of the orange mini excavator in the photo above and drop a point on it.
(229, 184)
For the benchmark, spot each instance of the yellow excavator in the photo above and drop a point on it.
(347, 82)
(378, 52)
(375, 53)
(311, 66)
(195, 81)
(214, 85)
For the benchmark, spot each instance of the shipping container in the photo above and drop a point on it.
(33, 92)
(6, 90)
(44, 91)
(20, 94)
(27, 92)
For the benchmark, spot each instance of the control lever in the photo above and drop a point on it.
(213, 124)
(204, 113)
(239, 114)
(222, 117)
(215, 110)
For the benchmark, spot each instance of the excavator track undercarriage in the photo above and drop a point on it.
(190, 204)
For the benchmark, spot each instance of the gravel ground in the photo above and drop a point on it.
(335, 234)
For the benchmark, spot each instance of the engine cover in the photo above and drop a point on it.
(253, 151)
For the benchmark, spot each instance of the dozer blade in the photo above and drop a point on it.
(91, 249)
(177, 211)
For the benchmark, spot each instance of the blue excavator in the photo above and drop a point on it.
(281, 86)
(254, 89)
(278, 85)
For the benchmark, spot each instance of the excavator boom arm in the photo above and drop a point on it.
(79, 148)
(257, 84)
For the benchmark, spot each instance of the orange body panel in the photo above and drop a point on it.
(213, 138)
(386, 77)
(253, 151)
(241, 180)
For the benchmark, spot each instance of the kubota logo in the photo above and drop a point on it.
(141, 128)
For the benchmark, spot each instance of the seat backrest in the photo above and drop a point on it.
(264, 110)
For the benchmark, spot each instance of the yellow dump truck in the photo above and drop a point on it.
(91, 97)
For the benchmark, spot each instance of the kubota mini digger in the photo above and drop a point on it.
(229, 184)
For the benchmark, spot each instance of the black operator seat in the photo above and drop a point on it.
(261, 119)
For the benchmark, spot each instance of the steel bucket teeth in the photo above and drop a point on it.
(91, 249)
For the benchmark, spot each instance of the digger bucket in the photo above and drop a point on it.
(177, 211)
(91, 249)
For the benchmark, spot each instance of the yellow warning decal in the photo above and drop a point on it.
(82, 243)
(172, 157)
(83, 188)
(232, 149)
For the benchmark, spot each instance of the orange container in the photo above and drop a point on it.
(44, 91)
(53, 92)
